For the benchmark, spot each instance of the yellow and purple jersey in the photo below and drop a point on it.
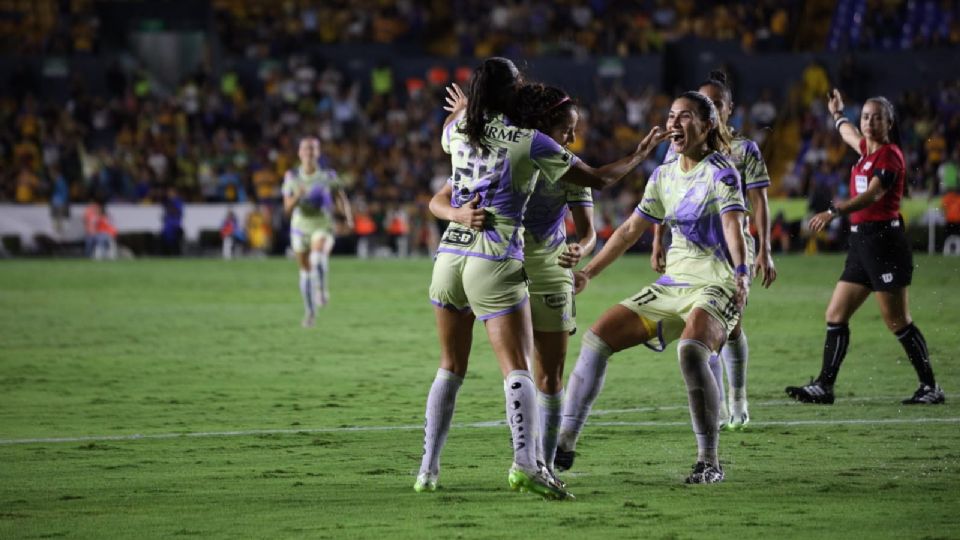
(503, 174)
(746, 157)
(316, 207)
(691, 203)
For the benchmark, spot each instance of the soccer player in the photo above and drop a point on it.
(480, 274)
(879, 259)
(700, 296)
(746, 157)
(312, 194)
(548, 257)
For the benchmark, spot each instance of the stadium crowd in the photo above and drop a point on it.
(224, 139)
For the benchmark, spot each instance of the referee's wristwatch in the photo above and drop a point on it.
(833, 210)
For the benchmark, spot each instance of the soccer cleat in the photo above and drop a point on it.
(426, 483)
(723, 418)
(926, 395)
(704, 473)
(541, 482)
(563, 460)
(308, 320)
(739, 417)
(811, 393)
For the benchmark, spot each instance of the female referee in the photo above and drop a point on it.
(879, 259)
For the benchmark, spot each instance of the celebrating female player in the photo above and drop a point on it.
(480, 274)
(746, 157)
(548, 257)
(879, 259)
(701, 294)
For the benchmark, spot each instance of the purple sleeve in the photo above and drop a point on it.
(542, 145)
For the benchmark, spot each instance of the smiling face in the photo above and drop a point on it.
(564, 132)
(723, 105)
(688, 131)
(874, 122)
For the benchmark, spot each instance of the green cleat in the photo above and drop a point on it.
(541, 483)
(426, 483)
(739, 417)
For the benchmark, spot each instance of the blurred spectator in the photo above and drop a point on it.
(398, 228)
(101, 235)
(231, 235)
(259, 230)
(59, 200)
(171, 232)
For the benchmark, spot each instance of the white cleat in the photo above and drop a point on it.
(308, 320)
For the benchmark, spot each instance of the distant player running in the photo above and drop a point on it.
(702, 292)
(548, 257)
(879, 259)
(746, 157)
(312, 194)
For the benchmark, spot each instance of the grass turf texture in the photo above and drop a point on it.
(94, 353)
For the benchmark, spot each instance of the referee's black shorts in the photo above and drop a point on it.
(879, 257)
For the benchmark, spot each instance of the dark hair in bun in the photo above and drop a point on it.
(718, 80)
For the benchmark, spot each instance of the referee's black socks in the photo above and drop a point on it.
(834, 351)
(916, 347)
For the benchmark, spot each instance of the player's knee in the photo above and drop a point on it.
(549, 383)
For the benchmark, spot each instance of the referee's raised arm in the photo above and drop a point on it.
(848, 131)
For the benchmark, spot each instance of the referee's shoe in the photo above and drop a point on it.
(815, 392)
(926, 395)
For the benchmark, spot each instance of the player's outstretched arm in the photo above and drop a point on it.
(625, 236)
(582, 174)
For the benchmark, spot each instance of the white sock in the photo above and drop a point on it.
(583, 387)
(716, 368)
(521, 400)
(318, 274)
(735, 355)
(549, 405)
(703, 397)
(325, 270)
(441, 402)
(306, 291)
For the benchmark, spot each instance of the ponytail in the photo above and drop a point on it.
(492, 89)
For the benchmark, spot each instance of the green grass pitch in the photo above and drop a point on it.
(168, 398)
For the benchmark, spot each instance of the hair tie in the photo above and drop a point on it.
(563, 100)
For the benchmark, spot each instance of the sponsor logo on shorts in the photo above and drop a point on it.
(887, 278)
(460, 237)
(555, 301)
